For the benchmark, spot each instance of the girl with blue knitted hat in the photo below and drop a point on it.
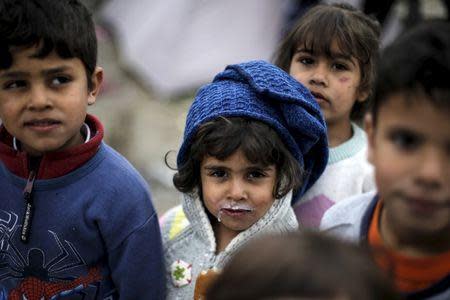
(254, 142)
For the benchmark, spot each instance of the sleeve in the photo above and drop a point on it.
(369, 182)
(129, 227)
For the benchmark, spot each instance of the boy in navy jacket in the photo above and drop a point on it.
(76, 219)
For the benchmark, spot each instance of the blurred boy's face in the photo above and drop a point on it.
(236, 191)
(333, 81)
(410, 149)
(43, 101)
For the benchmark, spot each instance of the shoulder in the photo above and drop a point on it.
(345, 217)
(116, 174)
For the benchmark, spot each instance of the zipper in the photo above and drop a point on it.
(29, 207)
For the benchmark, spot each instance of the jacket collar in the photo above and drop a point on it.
(53, 164)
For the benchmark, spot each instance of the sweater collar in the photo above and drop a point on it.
(349, 148)
(279, 218)
(52, 164)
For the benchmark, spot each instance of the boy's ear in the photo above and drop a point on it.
(96, 80)
(370, 131)
(362, 95)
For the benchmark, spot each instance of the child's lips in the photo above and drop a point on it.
(319, 97)
(235, 212)
(42, 125)
(426, 206)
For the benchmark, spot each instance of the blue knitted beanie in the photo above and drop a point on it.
(262, 91)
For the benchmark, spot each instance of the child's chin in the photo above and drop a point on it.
(238, 227)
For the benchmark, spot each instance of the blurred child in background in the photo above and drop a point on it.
(300, 265)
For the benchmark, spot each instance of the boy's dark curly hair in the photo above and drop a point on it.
(63, 26)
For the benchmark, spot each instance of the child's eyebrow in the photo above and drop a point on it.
(333, 55)
(214, 167)
(304, 50)
(46, 72)
(262, 168)
(56, 70)
(252, 167)
(13, 74)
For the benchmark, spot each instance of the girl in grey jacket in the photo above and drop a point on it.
(254, 142)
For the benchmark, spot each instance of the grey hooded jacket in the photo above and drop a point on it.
(189, 237)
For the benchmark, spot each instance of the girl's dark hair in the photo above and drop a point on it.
(63, 26)
(356, 35)
(222, 137)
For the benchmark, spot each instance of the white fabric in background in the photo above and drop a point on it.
(177, 45)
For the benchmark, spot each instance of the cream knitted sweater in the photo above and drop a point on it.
(348, 173)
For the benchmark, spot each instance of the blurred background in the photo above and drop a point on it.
(156, 53)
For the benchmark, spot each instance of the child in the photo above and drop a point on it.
(301, 265)
(76, 219)
(250, 136)
(332, 52)
(409, 145)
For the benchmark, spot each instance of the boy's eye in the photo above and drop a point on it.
(16, 84)
(58, 80)
(405, 140)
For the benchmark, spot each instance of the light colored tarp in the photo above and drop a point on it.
(177, 45)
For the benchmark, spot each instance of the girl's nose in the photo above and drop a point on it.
(237, 190)
(319, 75)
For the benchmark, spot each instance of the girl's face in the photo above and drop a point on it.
(237, 192)
(333, 81)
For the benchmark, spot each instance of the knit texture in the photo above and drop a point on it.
(261, 91)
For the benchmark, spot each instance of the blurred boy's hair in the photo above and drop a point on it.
(301, 264)
(425, 70)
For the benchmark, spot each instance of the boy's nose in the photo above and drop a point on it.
(237, 190)
(39, 99)
(433, 170)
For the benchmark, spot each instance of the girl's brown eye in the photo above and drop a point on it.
(217, 173)
(256, 174)
(306, 61)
